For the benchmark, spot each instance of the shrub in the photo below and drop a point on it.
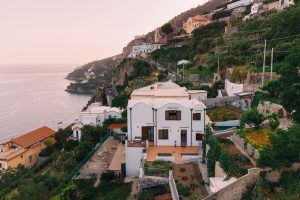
(70, 145)
(146, 194)
(183, 190)
(108, 176)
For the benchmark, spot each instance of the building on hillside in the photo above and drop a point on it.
(158, 38)
(143, 48)
(95, 115)
(170, 118)
(25, 149)
(285, 3)
(238, 90)
(258, 7)
(195, 22)
(116, 129)
(240, 3)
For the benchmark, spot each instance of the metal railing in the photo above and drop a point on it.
(75, 171)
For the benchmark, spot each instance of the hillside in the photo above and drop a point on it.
(177, 22)
(104, 66)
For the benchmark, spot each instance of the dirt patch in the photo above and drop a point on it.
(191, 178)
(164, 197)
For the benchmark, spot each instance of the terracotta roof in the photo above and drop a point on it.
(112, 126)
(33, 137)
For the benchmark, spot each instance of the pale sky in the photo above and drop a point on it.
(77, 31)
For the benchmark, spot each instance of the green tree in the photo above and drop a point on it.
(252, 116)
(273, 88)
(32, 191)
(167, 29)
(290, 80)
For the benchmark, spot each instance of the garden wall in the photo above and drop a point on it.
(219, 172)
(251, 151)
(235, 190)
(221, 101)
(229, 123)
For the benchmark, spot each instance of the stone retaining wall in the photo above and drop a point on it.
(251, 151)
(151, 181)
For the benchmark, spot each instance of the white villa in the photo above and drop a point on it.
(145, 48)
(165, 120)
(240, 3)
(95, 115)
(167, 115)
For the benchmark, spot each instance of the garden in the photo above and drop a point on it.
(189, 182)
(225, 113)
(157, 168)
(52, 176)
(257, 138)
(232, 161)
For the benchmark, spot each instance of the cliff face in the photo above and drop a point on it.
(104, 67)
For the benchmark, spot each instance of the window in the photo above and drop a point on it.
(173, 115)
(163, 134)
(199, 136)
(30, 159)
(197, 116)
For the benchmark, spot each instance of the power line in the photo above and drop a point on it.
(284, 37)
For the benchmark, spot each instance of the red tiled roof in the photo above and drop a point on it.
(33, 137)
(113, 126)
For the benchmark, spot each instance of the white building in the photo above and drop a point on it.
(240, 3)
(95, 115)
(145, 48)
(167, 115)
(255, 8)
(285, 3)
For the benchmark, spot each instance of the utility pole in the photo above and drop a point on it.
(183, 73)
(218, 64)
(272, 57)
(264, 64)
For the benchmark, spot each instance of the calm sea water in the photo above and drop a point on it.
(34, 96)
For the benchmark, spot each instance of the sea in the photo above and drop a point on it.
(32, 96)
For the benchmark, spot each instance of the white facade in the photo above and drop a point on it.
(239, 4)
(133, 157)
(95, 115)
(286, 3)
(255, 8)
(143, 48)
(233, 88)
(77, 131)
(166, 114)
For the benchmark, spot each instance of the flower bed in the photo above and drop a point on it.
(256, 138)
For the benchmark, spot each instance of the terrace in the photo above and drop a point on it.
(173, 154)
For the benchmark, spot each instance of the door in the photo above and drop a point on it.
(144, 133)
(151, 133)
(183, 138)
(148, 133)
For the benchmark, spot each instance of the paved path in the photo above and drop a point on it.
(100, 161)
(203, 170)
(243, 151)
(134, 186)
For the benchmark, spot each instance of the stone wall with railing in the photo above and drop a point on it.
(251, 151)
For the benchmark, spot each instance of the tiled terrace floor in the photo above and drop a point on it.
(175, 151)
